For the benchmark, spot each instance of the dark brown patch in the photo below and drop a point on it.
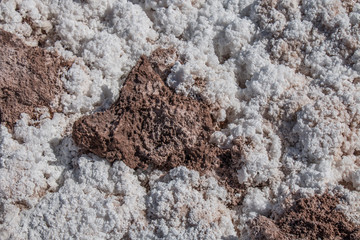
(356, 80)
(152, 125)
(347, 185)
(309, 218)
(29, 78)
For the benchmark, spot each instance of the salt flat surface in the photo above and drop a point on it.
(283, 75)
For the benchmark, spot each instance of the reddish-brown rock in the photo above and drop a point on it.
(309, 218)
(29, 78)
(152, 125)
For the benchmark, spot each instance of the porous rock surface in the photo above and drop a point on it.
(152, 125)
(316, 217)
(29, 78)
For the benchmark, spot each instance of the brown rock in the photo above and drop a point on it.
(29, 78)
(309, 218)
(152, 125)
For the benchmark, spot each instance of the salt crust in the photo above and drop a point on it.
(283, 74)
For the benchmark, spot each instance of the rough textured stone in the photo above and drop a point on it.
(309, 218)
(152, 125)
(29, 78)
